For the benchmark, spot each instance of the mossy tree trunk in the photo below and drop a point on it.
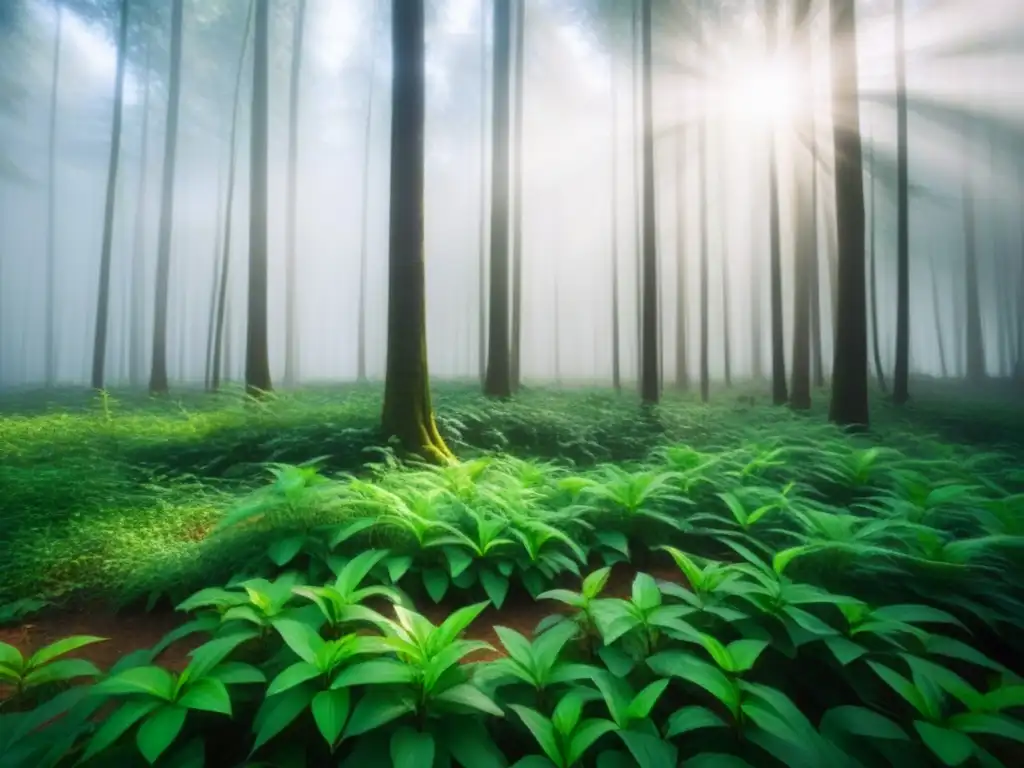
(407, 414)
(99, 351)
(498, 379)
(257, 357)
(849, 403)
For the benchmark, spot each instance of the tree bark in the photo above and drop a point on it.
(937, 308)
(291, 336)
(517, 199)
(814, 272)
(51, 209)
(219, 339)
(901, 374)
(136, 364)
(873, 242)
(682, 367)
(407, 414)
(849, 404)
(482, 273)
(257, 357)
(158, 371)
(975, 339)
(498, 382)
(779, 394)
(650, 389)
(613, 219)
(365, 227)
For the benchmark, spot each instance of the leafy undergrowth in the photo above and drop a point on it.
(841, 600)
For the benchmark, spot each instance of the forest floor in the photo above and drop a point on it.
(107, 503)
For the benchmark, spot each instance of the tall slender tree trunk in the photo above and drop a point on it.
(682, 367)
(51, 208)
(813, 271)
(257, 354)
(136, 365)
(901, 374)
(756, 296)
(517, 198)
(215, 262)
(702, 170)
(498, 382)
(849, 404)
(291, 335)
(557, 331)
(219, 336)
(482, 272)
(613, 219)
(779, 394)
(873, 242)
(800, 394)
(407, 413)
(723, 173)
(973, 328)
(99, 353)
(937, 308)
(650, 389)
(158, 371)
(365, 225)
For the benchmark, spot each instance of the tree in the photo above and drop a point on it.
(482, 275)
(220, 340)
(779, 394)
(407, 413)
(364, 232)
(99, 354)
(682, 369)
(901, 374)
(498, 381)
(158, 372)
(291, 337)
(137, 353)
(649, 379)
(975, 339)
(257, 357)
(517, 197)
(613, 218)
(873, 246)
(849, 403)
(51, 206)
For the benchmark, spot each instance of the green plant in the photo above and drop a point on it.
(44, 667)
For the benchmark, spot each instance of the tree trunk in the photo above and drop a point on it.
(215, 261)
(636, 76)
(724, 259)
(498, 382)
(650, 388)
(937, 307)
(779, 394)
(291, 336)
(702, 170)
(901, 374)
(136, 363)
(407, 413)
(257, 362)
(873, 241)
(99, 353)
(756, 297)
(219, 340)
(974, 334)
(804, 230)
(613, 219)
(517, 199)
(365, 226)
(682, 367)
(813, 271)
(482, 273)
(849, 404)
(51, 209)
(158, 371)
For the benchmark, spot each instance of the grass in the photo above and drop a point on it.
(828, 587)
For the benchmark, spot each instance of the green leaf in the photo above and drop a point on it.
(277, 713)
(745, 653)
(11, 657)
(208, 694)
(283, 551)
(346, 532)
(1004, 697)
(715, 760)
(472, 746)
(398, 566)
(59, 648)
(375, 709)
(114, 726)
(291, 676)
(237, 673)
(435, 580)
(951, 747)
(330, 711)
(210, 654)
(495, 585)
(860, 721)
(567, 713)
(534, 761)
(649, 751)
(159, 731)
(468, 695)
(412, 749)
(782, 559)
(595, 582)
(585, 735)
(644, 701)
(61, 670)
(915, 614)
(646, 595)
(301, 638)
(845, 651)
(992, 725)
(543, 731)
(902, 686)
(154, 681)
(693, 670)
(691, 719)
(376, 672)
(458, 560)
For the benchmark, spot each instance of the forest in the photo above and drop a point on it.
(530, 383)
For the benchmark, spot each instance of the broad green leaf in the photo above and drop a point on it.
(649, 751)
(715, 760)
(691, 719)
(114, 726)
(154, 681)
(718, 652)
(1004, 697)
(411, 749)
(278, 712)
(693, 670)
(860, 721)
(376, 672)
(159, 730)
(468, 695)
(646, 595)
(301, 638)
(237, 673)
(495, 585)
(993, 725)
(744, 653)
(951, 747)
(644, 701)
(398, 566)
(59, 648)
(458, 560)
(455, 624)
(472, 746)
(567, 713)
(543, 731)
(375, 709)
(11, 657)
(208, 694)
(61, 670)
(584, 737)
(845, 651)
(594, 583)
(435, 580)
(210, 654)
(291, 676)
(283, 551)
(915, 614)
(902, 686)
(330, 711)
